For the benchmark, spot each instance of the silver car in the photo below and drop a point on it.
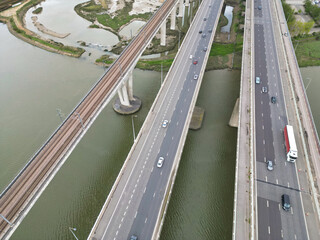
(160, 162)
(258, 80)
(264, 89)
(270, 165)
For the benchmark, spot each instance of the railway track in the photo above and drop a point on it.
(15, 198)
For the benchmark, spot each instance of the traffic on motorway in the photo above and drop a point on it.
(280, 213)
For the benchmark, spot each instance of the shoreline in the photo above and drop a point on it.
(14, 19)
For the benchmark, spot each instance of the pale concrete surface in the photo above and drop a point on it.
(234, 119)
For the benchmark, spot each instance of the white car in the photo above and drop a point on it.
(160, 162)
(165, 123)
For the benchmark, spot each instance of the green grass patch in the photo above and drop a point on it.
(155, 65)
(38, 10)
(308, 53)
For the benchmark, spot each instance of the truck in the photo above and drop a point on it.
(291, 147)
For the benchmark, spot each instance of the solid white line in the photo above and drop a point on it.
(145, 188)
(146, 220)
(135, 214)
(269, 230)
(154, 194)
(267, 203)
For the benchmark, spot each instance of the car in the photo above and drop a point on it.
(190, 57)
(260, 7)
(165, 123)
(264, 89)
(285, 34)
(160, 162)
(195, 62)
(205, 19)
(203, 35)
(205, 49)
(200, 31)
(210, 31)
(195, 77)
(258, 80)
(273, 99)
(209, 6)
(270, 165)
(133, 237)
(285, 201)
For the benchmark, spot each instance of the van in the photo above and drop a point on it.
(190, 57)
(285, 200)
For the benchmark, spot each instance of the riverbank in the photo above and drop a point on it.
(14, 18)
(226, 51)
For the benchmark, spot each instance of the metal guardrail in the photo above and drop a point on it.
(81, 101)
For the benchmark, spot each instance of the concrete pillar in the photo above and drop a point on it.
(163, 33)
(173, 18)
(181, 6)
(187, 3)
(120, 97)
(125, 95)
(130, 86)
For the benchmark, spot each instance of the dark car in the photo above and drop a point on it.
(195, 62)
(200, 31)
(210, 31)
(273, 99)
(260, 7)
(205, 49)
(205, 19)
(285, 201)
(203, 35)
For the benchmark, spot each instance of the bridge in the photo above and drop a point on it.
(137, 203)
(268, 54)
(21, 194)
(142, 190)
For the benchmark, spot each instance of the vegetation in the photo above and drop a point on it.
(307, 50)
(92, 12)
(295, 27)
(38, 10)
(51, 44)
(312, 10)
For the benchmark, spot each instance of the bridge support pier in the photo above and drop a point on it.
(181, 7)
(173, 18)
(163, 33)
(187, 3)
(126, 103)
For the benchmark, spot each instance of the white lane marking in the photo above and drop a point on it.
(295, 236)
(266, 179)
(281, 233)
(117, 233)
(161, 173)
(133, 190)
(269, 230)
(129, 201)
(135, 186)
(127, 207)
(291, 210)
(262, 114)
(172, 138)
(177, 123)
(122, 219)
(267, 203)
(120, 225)
(152, 169)
(125, 213)
(154, 194)
(279, 207)
(145, 188)
(136, 214)
(261, 102)
(277, 181)
(288, 184)
(279, 116)
(264, 142)
(285, 163)
(146, 220)
(262, 126)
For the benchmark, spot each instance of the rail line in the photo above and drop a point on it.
(15, 198)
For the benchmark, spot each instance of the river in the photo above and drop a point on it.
(34, 83)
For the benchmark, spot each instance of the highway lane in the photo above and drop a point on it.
(138, 207)
(270, 119)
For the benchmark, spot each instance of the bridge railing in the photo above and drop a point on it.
(82, 100)
(302, 85)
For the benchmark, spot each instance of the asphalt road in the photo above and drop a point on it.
(137, 208)
(270, 120)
